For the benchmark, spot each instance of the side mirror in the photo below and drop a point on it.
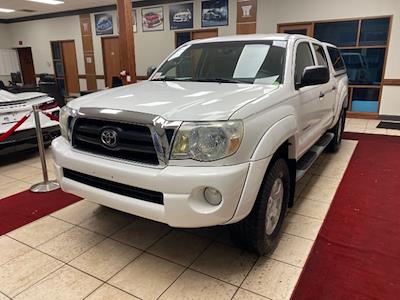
(313, 75)
(150, 70)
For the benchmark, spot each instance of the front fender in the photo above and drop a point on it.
(275, 136)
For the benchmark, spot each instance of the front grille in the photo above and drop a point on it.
(115, 187)
(134, 141)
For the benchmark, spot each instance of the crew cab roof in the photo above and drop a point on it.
(252, 37)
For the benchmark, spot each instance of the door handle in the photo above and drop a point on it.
(334, 88)
(321, 95)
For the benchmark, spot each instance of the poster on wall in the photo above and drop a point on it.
(134, 20)
(104, 24)
(181, 16)
(246, 11)
(214, 13)
(153, 19)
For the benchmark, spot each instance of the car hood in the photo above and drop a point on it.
(7, 97)
(177, 101)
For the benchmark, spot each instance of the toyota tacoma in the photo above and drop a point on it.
(219, 134)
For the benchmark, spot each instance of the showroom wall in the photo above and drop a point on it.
(288, 11)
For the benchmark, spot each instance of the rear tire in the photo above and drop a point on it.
(260, 230)
(334, 145)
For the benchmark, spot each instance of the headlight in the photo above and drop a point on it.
(66, 115)
(207, 141)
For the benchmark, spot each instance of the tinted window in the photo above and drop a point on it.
(250, 62)
(374, 32)
(336, 58)
(340, 34)
(320, 53)
(304, 59)
(364, 66)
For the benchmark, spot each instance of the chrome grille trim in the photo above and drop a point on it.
(156, 124)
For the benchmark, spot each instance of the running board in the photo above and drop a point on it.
(307, 160)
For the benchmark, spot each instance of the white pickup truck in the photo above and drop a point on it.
(218, 135)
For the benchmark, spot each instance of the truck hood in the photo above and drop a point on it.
(177, 101)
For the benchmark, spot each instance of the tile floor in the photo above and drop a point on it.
(85, 251)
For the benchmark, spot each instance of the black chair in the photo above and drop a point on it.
(16, 77)
(2, 85)
(116, 81)
(51, 89)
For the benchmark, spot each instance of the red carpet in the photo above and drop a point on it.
(357, 252)
(26, 207)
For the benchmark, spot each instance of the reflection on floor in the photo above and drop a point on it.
(85, 250)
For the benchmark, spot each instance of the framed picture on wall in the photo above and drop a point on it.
(181, 16)
(246, 11)
(153, 19)
(134, 20)
(214, 13)
(104, 24)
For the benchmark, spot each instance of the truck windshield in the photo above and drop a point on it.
(253, 62)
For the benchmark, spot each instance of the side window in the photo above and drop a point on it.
(304, 58)
(320, 53)
(337, 60)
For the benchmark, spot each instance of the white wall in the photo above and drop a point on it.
(4, 44)
(273, 12)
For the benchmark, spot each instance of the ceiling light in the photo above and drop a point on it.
(6, 10)
(52, 2)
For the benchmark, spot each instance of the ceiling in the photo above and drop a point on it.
(40, 8)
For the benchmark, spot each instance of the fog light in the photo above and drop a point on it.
(212, 196)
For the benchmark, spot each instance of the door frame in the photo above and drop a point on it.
(308, 26)
(102, 54)
(33, 65)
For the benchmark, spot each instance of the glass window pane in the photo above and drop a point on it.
(364, 66)
(61, 86)
(341, 34)
(304, 59)
(365, 100)
(56, 50)
(181, 38)
(320, 53)
(59, 68)
(374, 32)
(336, 59)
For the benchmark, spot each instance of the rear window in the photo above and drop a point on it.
(336, 58)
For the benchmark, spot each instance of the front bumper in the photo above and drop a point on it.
(182, 187)
(26, 139)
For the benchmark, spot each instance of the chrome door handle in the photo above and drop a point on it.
(321, 95)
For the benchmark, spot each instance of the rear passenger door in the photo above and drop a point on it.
(309, 104)
(327, 97)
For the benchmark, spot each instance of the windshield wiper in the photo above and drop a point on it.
(166, 78)
(219, 80)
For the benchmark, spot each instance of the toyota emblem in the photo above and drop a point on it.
(109, 137)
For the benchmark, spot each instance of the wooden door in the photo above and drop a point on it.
(111, 58)
(303, 28)
(70, 67)
(26, 63)
(204, 34)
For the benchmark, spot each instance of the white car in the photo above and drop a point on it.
(218, 135)
(13, 107)
(182, 16)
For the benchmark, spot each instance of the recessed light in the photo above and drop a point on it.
(6, 10)
(52, 2)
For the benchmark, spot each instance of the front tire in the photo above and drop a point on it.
(260, 230)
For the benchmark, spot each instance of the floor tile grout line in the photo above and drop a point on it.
(211, 241)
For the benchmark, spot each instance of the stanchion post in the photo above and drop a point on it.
(47, 185)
